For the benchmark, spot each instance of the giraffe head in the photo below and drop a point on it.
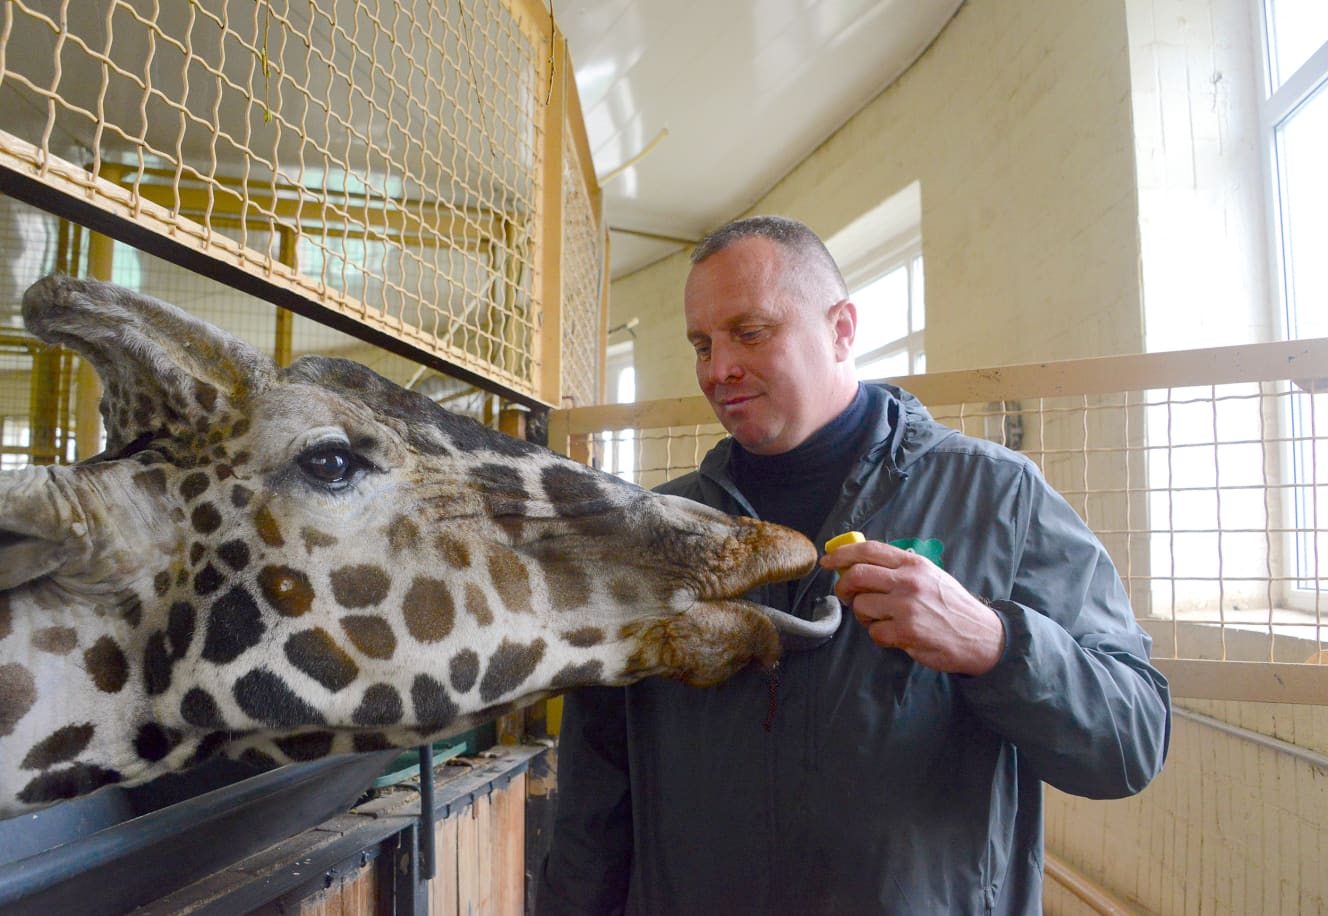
(284, 564)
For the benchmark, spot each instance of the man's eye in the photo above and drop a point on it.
(702, 352)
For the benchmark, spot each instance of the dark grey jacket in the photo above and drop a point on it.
(854, 780)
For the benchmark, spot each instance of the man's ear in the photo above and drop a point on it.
(844, 324)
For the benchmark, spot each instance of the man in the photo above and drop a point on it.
(898, 768)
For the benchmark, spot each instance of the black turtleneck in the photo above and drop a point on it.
(799, 488)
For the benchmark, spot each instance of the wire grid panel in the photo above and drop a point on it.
(582, 277)
(391, 149)
(1204, 474)
(648, 457)
(1212, 500)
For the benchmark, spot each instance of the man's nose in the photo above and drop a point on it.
(724, 365)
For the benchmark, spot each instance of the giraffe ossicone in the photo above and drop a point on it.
(282, 564)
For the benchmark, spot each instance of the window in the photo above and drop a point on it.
(619, 448)
(1294, 119)
(13, 436)
(891, 319)
(880, 254)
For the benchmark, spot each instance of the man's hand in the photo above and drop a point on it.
(908, 602)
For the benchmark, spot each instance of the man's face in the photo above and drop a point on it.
(768, 352)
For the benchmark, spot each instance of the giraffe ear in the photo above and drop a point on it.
(163, 371)
(34, 528)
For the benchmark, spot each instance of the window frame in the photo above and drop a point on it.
(906, 253)
(1277, 106)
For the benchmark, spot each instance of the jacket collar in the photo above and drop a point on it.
(903, 431)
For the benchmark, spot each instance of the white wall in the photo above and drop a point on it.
(1017, 124)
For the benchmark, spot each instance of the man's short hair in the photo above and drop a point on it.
(789, 233)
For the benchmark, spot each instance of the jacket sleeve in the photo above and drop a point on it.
(590, 855)
(1074, 690)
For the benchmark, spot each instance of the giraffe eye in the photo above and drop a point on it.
(334, 465)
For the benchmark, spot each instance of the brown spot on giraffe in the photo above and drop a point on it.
(371, 635)
(510, 579)
(464, 670)
(205, 518)
(434, 708)
(381, 705)
(205, 395)
(194, 485)
(361, 585)
(257, 759)
(306, 745)
(161, 583)
(314, 538)
(61, 746)
(624, 591)
(154, 741)
(267, 527)
(477, 604)
(235, 554)
(365, 742)
(585, 674)
(584, 637)
(56, 785)
(197, 707)
(288, 590)
(208, 580)
(107, 665)
(510, 666)
(569, 587)
(18, 691)
(402, 534)
(428, 609)
(264, 696)
(241, 496)
(152, 481)
(55, 640)
(455, 553)
(132, 609)
(317, 654)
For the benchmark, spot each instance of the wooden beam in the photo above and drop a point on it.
(1260, 682)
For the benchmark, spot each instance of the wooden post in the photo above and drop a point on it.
(550, 226)
(282, 347)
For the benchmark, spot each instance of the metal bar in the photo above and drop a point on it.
(148, 228)
(1303, 754)
(428, 865)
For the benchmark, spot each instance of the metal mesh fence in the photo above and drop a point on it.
(40, 385)
(1204, 473)
(583, 294)
(375, 165)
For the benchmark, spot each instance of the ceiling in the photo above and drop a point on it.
(694, 109)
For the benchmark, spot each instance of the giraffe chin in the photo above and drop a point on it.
(713, 641)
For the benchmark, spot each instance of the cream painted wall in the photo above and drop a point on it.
(1017, 123)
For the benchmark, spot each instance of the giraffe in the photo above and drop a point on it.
(282, 564)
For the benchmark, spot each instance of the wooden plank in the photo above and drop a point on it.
(443, 888)
(508, 842)
(1262, 682)
(641, 415)
(467, 871)
(1305, 360)
(482, 812)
